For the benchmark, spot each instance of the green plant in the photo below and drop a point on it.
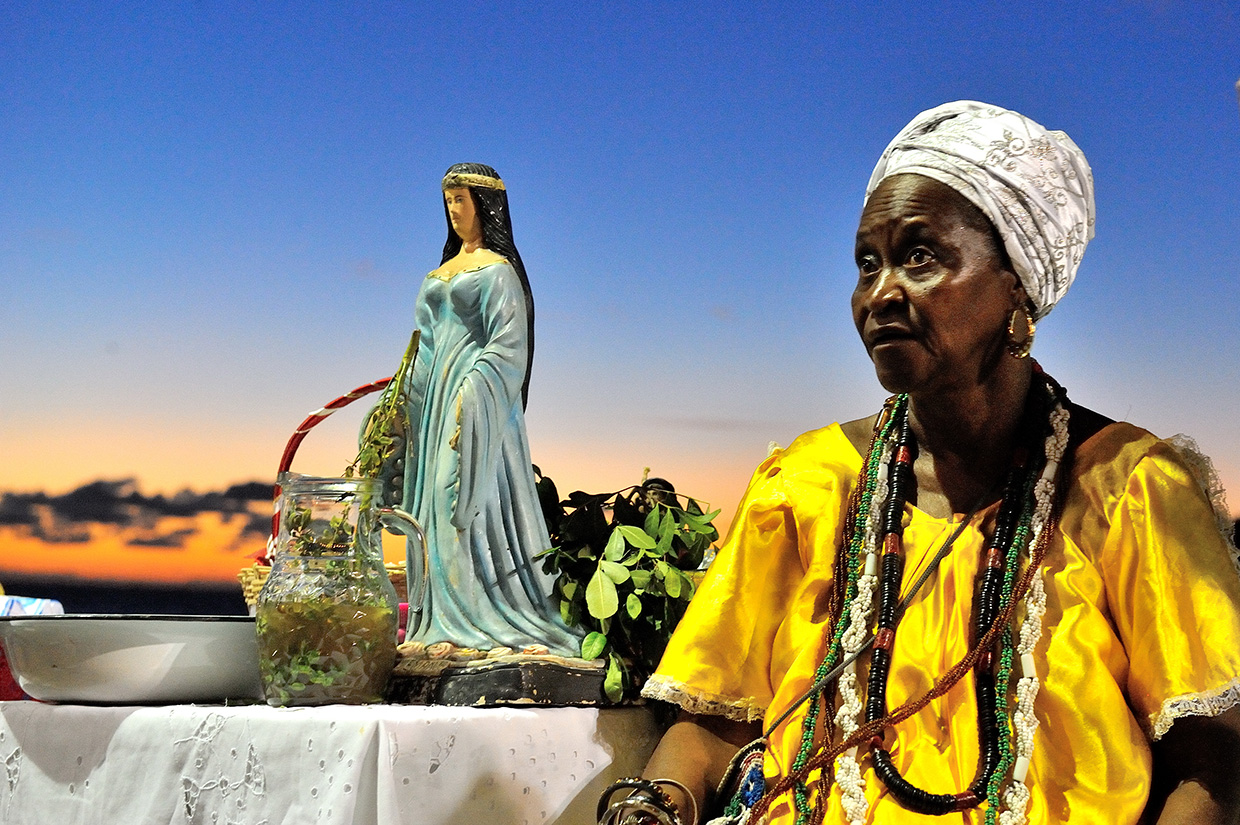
(381, 437)
(335, 540)
(388, 421)
(321, 650)
(624, 564)
(303, 669)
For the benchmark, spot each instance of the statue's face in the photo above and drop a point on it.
(463, 214)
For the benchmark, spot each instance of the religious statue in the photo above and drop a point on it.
(464, 471)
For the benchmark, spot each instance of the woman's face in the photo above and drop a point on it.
(932, 299)
(462, 214)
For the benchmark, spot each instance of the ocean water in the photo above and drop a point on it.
(80, 595)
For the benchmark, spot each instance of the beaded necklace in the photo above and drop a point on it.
(873, 531)
(996, 583)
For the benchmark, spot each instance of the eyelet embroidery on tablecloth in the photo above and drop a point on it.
(13, 769)
(204, 734)
(253, 781)
(443, 749)
(12, 773)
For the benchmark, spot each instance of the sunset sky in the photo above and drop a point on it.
(214, 218)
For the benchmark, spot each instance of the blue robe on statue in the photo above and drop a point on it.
(468, 478)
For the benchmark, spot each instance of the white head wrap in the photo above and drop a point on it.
(1033, 184)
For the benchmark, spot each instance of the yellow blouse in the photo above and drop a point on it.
(1142, 626)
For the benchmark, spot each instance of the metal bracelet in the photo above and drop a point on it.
(688, 793)
(648, 804)
(637, 810)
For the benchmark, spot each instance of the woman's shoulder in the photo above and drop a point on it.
(810, 475)
(1149, 491)
(1100, 445)
(1112, 458)
(816, 457)
(859, 433)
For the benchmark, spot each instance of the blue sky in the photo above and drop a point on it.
(214, 217)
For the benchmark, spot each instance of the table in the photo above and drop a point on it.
(255, 765)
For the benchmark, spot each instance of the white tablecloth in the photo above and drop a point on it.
(256, 765)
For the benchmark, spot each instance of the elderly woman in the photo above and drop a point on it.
(983, 603)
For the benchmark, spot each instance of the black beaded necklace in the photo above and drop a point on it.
(990, 603)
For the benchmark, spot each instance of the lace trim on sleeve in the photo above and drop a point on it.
(1209, 703)
(696, 701)
(1203, 470)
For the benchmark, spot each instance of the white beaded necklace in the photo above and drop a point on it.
(1015, 797)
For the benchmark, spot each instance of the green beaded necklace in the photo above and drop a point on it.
(849, 567)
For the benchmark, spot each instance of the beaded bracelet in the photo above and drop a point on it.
(648, 804)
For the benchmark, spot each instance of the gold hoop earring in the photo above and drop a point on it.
(1020, 335)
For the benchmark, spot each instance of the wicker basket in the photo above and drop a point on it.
(252, 579)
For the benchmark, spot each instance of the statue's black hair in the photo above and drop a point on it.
(491, 206)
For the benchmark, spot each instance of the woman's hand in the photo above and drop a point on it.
(696, 751)
(1197, 772)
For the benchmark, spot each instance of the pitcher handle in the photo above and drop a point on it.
(400, 522)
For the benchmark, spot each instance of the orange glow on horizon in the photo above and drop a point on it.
(214, 547)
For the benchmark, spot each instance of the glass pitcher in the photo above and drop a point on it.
(327, 614)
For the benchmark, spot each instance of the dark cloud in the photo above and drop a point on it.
(15, 509)
(174, 539)
(107, 502)
(119, 502)
(258, 524)
(250, 491)
(56, 533)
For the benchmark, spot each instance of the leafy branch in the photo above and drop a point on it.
(382, 437)
(335, 539)
(387, 423)
(624, 565)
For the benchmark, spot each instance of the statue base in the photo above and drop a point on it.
(533, 680)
